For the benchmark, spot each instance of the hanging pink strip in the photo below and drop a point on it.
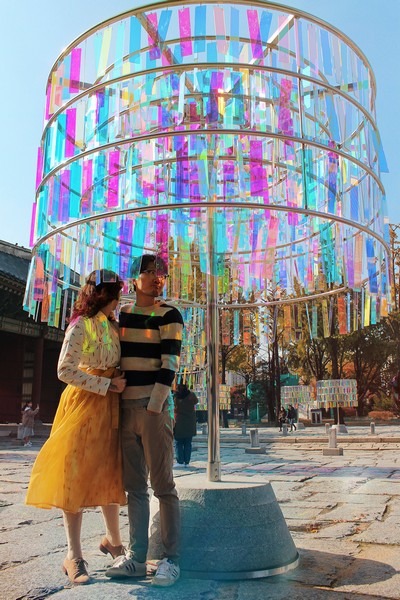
(71, 132)
(185, 31)
(58, 87)
(87, 183)
(75, 73)
(39, 167)
(219, 19)
(155, 51)
(48, 97)
(254, 32)
(33, 224)
(113, 170)
(194, 188)
(162, 236)
(258, 173)
(285, 121)
(64, 204)
(284, 39)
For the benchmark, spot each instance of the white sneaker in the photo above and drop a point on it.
(167, 573)
(126, 566)
(178, 466)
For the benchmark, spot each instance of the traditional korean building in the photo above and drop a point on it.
(28, 350)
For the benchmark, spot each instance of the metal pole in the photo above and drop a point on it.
(212, 331)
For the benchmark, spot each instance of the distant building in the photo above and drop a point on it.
(28, 350)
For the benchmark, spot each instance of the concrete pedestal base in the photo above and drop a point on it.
(300, 426)
(231, 529)
(257, 450)
(332, 451)
(340, 428)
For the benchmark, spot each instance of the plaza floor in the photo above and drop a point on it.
(343, 513)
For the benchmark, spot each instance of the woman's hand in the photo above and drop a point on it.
(118, 384)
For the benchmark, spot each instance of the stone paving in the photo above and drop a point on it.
(343, 513)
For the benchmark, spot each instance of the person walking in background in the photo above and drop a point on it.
(150, 334)
(28, 421)
(282, 417)
(185, 423)
(292, 417)
(80, 465)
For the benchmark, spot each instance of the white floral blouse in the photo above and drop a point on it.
(89, 343)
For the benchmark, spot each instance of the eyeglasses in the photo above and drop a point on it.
(153, 273)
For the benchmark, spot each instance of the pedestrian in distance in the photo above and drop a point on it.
(80, 465)
(292, 416)
(150, 335)
(282, 417)
(185, 423)
(28, 422)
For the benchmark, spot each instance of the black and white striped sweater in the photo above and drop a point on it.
(151, 338)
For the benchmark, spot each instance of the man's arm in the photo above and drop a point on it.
(171, 341)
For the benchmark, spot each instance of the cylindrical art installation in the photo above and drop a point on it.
(258, 111)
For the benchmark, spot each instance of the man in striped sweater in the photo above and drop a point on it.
(151, 335)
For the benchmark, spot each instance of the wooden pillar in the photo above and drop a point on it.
(37, 370)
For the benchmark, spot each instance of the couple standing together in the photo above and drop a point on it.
(90, 459)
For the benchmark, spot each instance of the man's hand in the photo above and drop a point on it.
(118, 384)
(152, 412)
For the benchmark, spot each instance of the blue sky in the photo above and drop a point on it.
(35, 32)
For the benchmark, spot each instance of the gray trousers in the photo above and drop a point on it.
(147, 446)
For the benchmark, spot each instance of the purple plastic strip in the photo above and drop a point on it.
(185, 31)
(39, 167)
(87, 183)
(155, 51)
(75, 73)
(113, 170)
(254, 32)
(162, 236)
(71, 129)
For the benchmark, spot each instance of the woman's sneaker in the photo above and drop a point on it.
(126, 566)
(167, 573)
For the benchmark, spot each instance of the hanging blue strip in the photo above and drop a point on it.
(354, 204)
(265, 25)
(135, 31)
(326, 52)
(200, 20)
(372, 274)
(75, 190)
(234, 48)
(332, 118)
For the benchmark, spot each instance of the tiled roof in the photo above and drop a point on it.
(14, 264)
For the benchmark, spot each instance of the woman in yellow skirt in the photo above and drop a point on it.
(80, 465)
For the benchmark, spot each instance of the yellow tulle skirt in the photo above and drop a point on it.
(80, 465)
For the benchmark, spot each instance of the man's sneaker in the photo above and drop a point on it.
(167, 573)
(126, 566)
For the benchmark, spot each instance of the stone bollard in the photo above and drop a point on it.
(327, 428)
(284, 429)
(372, 428)
(204, 429)
(255, 447)
(332, 449)
(332, 439)
(254, 443)
(243, 428)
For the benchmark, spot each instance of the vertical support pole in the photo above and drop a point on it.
(212, 331)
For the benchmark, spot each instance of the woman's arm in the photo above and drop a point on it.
(70, 358)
